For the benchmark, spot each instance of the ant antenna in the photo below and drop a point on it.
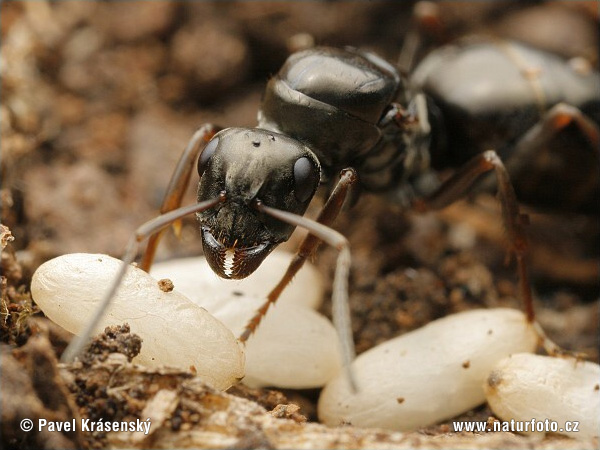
(144, 231)
(340, 308)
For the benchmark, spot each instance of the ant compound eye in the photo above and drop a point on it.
(306, 179)
(206, 154)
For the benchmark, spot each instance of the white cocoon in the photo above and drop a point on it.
(428, 375)
(175, 331)
(294, 347)
(194, 275)
(525, 387)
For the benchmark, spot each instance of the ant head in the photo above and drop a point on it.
(251, 165)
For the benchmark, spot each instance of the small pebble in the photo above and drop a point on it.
(194, 275)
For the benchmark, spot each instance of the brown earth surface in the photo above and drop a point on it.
(98, 99)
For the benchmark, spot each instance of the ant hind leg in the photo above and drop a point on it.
(461, 182)
(556, 119)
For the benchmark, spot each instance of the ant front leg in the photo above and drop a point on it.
(319, 231)
(177, 186)
(307, 248)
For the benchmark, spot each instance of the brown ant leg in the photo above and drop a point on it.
(319, 231)
(460, 183)
(536, 139)
(556, 119)
(426, 25)
(308, 246)
(177, 186)
(146, 230)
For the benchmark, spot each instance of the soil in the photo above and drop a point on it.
(98, 101)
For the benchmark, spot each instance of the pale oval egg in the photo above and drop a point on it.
(564, 391)
(294, 346)
(175, 331)
(427, 375)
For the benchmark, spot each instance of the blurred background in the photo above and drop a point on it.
(99, 99)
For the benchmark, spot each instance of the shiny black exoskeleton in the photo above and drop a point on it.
(327, 109)
(488, 94)
(251, 164)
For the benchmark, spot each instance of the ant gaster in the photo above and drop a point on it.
(330, 110)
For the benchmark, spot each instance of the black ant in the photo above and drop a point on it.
(329, 110)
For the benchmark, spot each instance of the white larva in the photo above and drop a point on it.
(175, 331)
(428, 375)
(294, 347)
(525, 387)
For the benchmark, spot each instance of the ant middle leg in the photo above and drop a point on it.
(177, 186)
